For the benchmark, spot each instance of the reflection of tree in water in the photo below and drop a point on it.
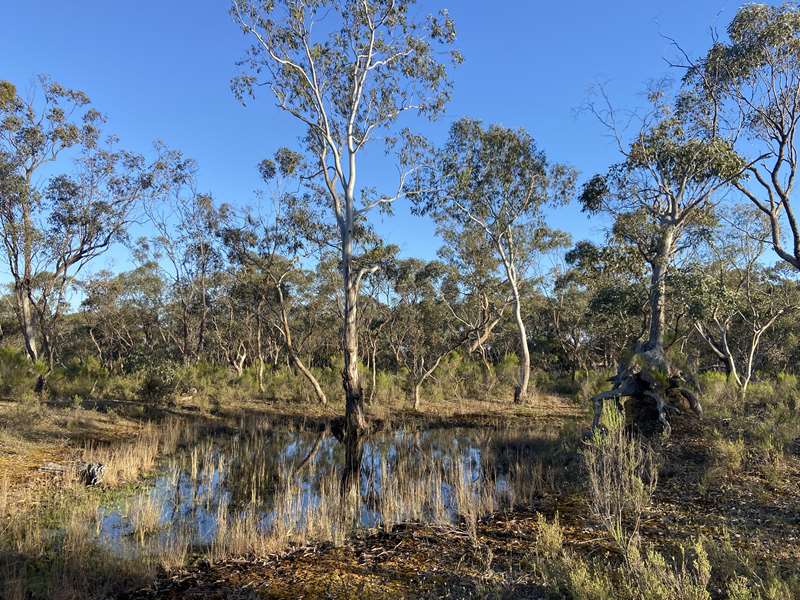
(414, 469)
(266, 461)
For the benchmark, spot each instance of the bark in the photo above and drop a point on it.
(521, 389)
(310, 377)
(658, 290)
(241, 357)
(260, 351)
(355, 417)
(722, 351)
(25, 316)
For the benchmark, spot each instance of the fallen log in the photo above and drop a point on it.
(86, 472)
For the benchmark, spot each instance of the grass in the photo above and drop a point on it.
(622, 475)
(601, 525)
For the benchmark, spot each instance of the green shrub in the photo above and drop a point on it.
(159, 384)
(719, 396)
(202, 376)
(85, 378)
(17, 374)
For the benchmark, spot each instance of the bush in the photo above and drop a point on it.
(159, 384)
(725, 457)
(622, 474)
(83, 378)
(202, 376)
(17, 374)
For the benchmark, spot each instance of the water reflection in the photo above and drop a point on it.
(268, 486)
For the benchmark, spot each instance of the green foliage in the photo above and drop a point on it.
(84, 378)
(159, 384)
(201, 376)
(17, 374)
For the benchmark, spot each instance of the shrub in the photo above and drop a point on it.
(622, 475)
(202, 376)
(725, 457)
(86, 378)
(719, 395)
(17, 374)
(159, 384)
(550, 538)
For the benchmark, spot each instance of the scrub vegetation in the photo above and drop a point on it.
(273, 402)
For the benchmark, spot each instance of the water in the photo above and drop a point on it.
(270, 484)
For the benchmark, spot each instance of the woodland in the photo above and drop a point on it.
(630, 407)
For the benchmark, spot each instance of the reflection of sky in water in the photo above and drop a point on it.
(243, 470)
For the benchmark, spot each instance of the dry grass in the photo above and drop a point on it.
(49, 523)
(144, 513)
(128, 461)
(622, 476)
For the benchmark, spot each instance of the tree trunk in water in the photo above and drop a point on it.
(416, 395)
(355, 419)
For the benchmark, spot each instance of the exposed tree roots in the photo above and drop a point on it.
(653, 389)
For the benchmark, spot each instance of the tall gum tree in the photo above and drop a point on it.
(496, 182)
(346, 70)
(747, 92)
(54, 219)
(662, 192)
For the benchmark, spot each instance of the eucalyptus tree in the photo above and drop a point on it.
(236, 321)
(423, 332)
(496, 183)
(346, 70)
(616, 301)
(735, 299)
(187, 248)
(485, 299)
(661, 196)
(270, 251)
(746, 90)
(55, 220)
(123, 316)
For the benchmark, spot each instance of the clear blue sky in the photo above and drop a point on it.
(161, 70)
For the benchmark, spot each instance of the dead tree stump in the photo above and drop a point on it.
(652, 389)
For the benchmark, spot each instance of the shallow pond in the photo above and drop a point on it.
(267, 486)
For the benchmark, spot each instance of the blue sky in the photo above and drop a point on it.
(161, 70)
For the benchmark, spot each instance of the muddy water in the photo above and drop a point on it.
(286, 482)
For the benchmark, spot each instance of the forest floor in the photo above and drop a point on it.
(750, 515)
